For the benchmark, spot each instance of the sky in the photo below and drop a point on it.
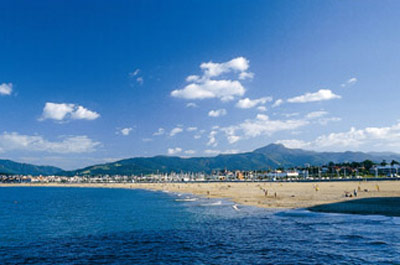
(87, 82)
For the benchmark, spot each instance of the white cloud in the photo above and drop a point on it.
(277, 103)
(239, 64)
(63, 111)
(246, 75)
(316, 114)
(320, 95)
(140, 80)
(126, 131)
(69, 144)
(206, 86)
(135, 73)
(190, 152)
(173, 151)
(263, 125)
(325, 121)
(319, 117)
(233, 139)
(56, 111)
(231, 151)
(81, 113)
(6, 89)
(191, 105)
(217, 113)
(197, 136)
(230, 133)
(160, 131)
(247, 103)
(293, 143)
(191, 129)
(367, 139)
(192, 78)
(262, 108)
(288, 115)
(225, 90)
(212, 152)
(212, 141)
(350, 82)
(175, 131)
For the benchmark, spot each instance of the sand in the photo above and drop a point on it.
(317, 196)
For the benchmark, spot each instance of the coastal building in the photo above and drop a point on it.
(387, 170)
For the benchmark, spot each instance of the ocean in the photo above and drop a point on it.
(43, 225)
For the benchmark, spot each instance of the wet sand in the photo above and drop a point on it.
(318, 196)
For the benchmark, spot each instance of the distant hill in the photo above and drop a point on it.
(270, 156)
(15, 168)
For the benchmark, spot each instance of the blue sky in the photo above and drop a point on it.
(96, 81)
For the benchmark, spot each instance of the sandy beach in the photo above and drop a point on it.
(318, 196)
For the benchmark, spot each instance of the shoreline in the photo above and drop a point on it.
(373, 197)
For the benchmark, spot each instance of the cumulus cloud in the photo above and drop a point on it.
(81, 113)
(247, 103)
(159, 132)
(262, 108)
(261, 125)
(191, 105)
(367, 139)
(293, 143)
(212, 140)
(217, 113)
(68, 144)
(320, 95)
(174, 151)
(175, 131)
(239, 64)
(135, 75)
(320, 117)
(246, 75)
(207, 86)
(349, 82)
(126, 131)
(191, 129)
(230, 133)
(64, 111)
(190, 152)
(277, 103)
(6, 89)
(225, 90)
(316, 114)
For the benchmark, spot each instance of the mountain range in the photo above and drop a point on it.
(9, 167)
(270, 156)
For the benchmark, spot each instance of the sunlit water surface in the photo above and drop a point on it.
(92, 226)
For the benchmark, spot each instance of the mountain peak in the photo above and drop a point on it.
(271, 148)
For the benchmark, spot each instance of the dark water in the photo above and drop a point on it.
(98, 226)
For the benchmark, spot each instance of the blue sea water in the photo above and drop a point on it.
(120, 226)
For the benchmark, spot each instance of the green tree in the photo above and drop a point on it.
(368, 164)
